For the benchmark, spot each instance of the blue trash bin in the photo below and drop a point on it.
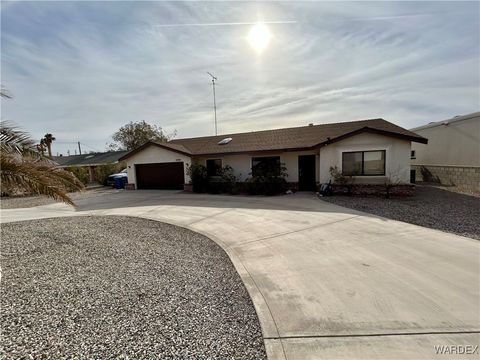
(120, 182)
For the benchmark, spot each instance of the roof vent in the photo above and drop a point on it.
(225, 141)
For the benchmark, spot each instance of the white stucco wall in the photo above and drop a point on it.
(397, 156)
(242, 164)
(457, 143)
(154, 154)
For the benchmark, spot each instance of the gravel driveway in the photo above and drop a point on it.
(120, 287)
(431, 207)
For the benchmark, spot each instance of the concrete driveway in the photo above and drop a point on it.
(327, 282)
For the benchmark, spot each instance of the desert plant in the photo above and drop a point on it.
(392, 180)
(342, 180)
(23, 169)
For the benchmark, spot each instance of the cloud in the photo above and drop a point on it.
(83, 69)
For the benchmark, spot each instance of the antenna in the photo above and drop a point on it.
(214, 100)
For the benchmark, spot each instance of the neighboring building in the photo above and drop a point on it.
(91, 161)
(371, 150)
(452, 156)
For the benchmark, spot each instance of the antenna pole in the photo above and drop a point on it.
(214, 100)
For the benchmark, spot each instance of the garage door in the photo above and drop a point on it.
(160, 176)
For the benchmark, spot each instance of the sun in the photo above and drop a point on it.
(259, 37)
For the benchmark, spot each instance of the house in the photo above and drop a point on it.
(370, 150)
(90, 161)
(452, 156)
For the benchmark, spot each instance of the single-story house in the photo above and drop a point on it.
(90, 161)
(452, 156)
(369, 150)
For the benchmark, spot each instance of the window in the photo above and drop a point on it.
(412, 154)
(214, 166)
(266, 165)
(363, 163)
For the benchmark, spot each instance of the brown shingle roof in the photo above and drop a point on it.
(287, 139)
(292, 138)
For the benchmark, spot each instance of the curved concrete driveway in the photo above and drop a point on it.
(327, 282)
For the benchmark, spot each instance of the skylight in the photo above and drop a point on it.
(225, 141)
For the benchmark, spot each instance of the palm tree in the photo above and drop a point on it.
(48, 140)
(41, 146)
(22, 168)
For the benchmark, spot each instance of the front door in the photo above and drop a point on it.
(306, 173)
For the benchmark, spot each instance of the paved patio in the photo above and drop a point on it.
(326, 281)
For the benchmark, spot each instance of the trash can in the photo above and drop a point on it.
(120, 182)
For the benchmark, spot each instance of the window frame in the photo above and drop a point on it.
(363, 162)
(265, 156)
(206, 165)
(413, 154)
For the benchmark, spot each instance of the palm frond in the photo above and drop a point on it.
(16, 141)
(38, 178)
(22, 168)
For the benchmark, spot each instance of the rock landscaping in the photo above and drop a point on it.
(120, 287)
(432, 207)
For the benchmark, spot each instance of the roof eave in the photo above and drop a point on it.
(147, 144)
(419, 139)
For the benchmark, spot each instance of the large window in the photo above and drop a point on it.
(268, 165)
(214, 167)
(363, 163)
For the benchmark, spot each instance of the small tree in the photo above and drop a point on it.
(135, 134)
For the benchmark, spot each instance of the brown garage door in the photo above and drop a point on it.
(160, 176)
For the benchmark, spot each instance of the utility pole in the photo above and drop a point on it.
(79, 148)
(214, 100)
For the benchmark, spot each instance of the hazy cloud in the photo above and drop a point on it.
(83, 69)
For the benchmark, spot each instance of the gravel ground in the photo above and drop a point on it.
(431, 207)
(17, 202)
(120, 287)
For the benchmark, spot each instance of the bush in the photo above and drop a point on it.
(267, 181)
(342, 180)
(81, 173)
(198, 177)
(104, 171)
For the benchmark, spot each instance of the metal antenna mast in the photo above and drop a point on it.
(214, 100)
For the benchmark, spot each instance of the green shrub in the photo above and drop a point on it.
(104, 171)
(81, 173)
(266, 180)
(198, 177)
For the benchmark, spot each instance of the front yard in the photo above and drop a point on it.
(432, 207)
(120, 287)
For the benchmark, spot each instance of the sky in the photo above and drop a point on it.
(81, 70)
